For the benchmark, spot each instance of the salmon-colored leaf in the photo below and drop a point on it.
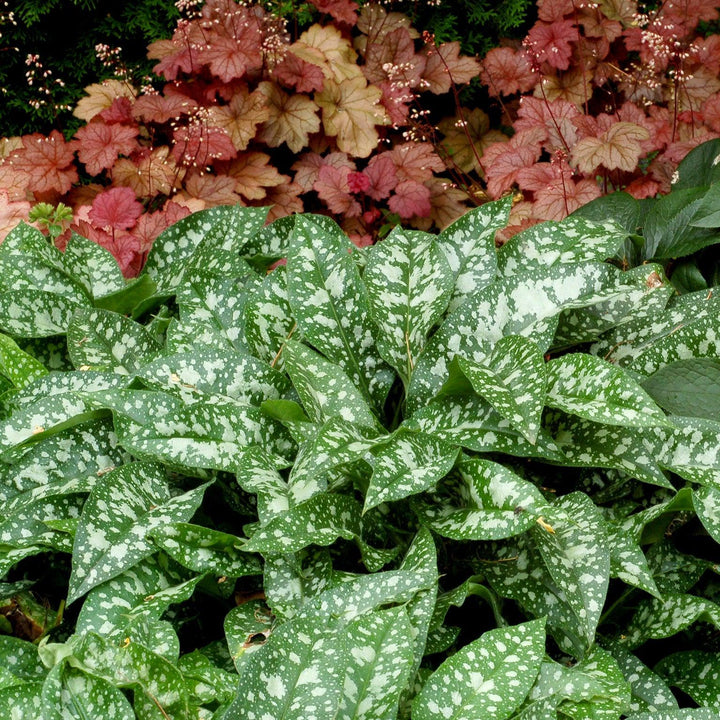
(562, 197)
(291, 118)
(410, 198)
(151, 173)
(332, 187)
(297, 73)
(212, 189)
(445, 66)
(11, 213)
(344, 11)
(416, 161)
(100, 96)
(308, 165)
(350, 111)
(115, 208)
(326, 47)
(382, 174)
(230, 58)
(200, 145)
(616, 149)
(253, 175)
(551, 10)
(157, 108)
(506, 71)
(241, 116)
(100, 144)
(552, 42)
(48, 162)
(503, 161)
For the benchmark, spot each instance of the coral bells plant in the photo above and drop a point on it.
(250, 115)
(600, 96)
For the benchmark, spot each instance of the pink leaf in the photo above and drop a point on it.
(116, 208)
(332, 187)
(552, 43)
(411, 198)
(382, 175)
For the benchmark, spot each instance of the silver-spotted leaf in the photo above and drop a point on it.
(124, 507)
(103, 340)
(487, 679)
(696, 673)
(93, 265)
(409, 283)
(406, 464)
(36, 313)
(19, 367)
(330, 305)
(706, 501)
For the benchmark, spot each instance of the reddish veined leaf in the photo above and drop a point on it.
(253, 175)
(291, 118)
(115, 208)
(616, 149)
(344, 11)
(100, 145)
(552, 42)
(506, 71)
(410, 199)
(297, 73)
(445, 66)
(382, 174)
(48, 162)
(332, 187)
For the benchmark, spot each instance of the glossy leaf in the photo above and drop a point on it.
(16, 365)
(696, 673)
(486, 679)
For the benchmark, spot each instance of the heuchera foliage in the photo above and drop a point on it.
(600, 97)
(249, 116)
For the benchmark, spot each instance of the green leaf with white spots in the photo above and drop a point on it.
(16, 365)
(683, 714)
(406, 464)
(627, 560)
(706, 501)
(247, 628)
(103, 340)
(122, 510)
(208, 434)
(487, 679)
(257, 473)
(662, 618)
(575, 550)
(318, 521)
(691, 450)
(23, 702)
(649, 691)
(527, 305)
(203, 549)
(512, 380)
(324, 388)
(696, 673)
(224, 373)
(589, 387)
(572, 240)
(71, 694)
(208, 240)
(93, 266)
(330, 305)
(469, 245)
(488, 502)
(409, 284)
(29, 313)
(211, 312)
(378, 663)
(299, 674)
(145, 591)
(473, 423)
(21, 662)
(268, 318)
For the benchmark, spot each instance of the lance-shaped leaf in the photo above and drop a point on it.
(299, 674)
(379, 660)
(682, 714)
(691, 450)
(407, 464)
(574, 549)
(469, 245)
(696, 673)
(93, 265)
(334, 444)
(25, 700)
(225, 373)
(60, 383)
(203, 549)
(122, 510)
(71, 694)
(36, 313)
(324, 388)
(104, 340)
(29, 262)
(257, 473)
(588, 444)
(573, 240)
(706, 501)
(526, 304)
(318, 521)
(409, 283)
(154, 680)
(470, 421)
(204, 435)
(330, 305)
(587, 386)
(16, 365)
(512, 380)
(649, 692)
(211, 312)
(199, 241)
(247, 626)
(627, 560)
(487, 679)
(143, 592)
(661, 618)
(268, 318)
(489, 503)
(24, 663)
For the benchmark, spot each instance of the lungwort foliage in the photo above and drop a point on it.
(429, 479)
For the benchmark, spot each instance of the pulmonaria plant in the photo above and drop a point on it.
(249, 116)
(427, 479)
(600, 96)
